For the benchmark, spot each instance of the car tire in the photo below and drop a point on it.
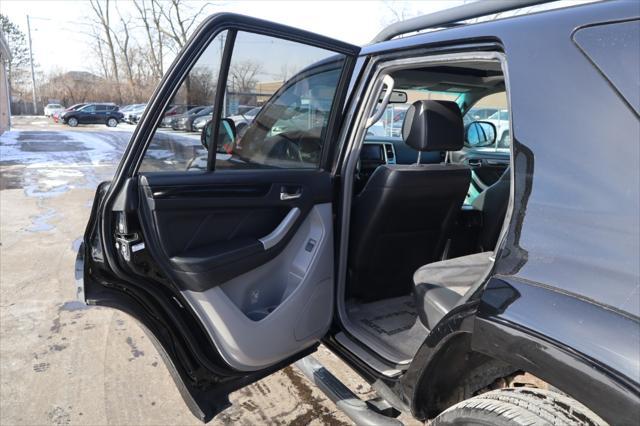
(112, 122)
(73, 122)
(517, 407)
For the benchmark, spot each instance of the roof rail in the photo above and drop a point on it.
(452, 16)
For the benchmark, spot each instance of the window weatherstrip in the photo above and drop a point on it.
(221, 91)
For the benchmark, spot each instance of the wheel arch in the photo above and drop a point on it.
(471, 350)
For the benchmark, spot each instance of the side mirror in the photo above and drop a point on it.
(226, 135)
(480, 133)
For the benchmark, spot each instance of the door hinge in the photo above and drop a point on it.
(127, 242)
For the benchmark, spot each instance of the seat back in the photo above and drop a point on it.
(402, 217)
(493, 203)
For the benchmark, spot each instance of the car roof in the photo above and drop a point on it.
(487, 28)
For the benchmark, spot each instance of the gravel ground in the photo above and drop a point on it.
(63, 363)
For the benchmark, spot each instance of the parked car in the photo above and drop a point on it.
(133, 115)
(519, 305)
(500, 119)
(184, 121)
(476, 114)
(128, 108)
(56, 115)
(174, 110)
(51, 109)
(96, 113)
(200, 122)
(243, 119)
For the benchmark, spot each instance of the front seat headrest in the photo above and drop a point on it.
(433, 126)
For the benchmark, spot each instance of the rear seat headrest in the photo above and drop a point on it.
(433, 126)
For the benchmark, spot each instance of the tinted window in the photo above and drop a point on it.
(614, 48)
(180, 151)
(293, 86)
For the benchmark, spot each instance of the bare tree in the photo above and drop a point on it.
(151, 18)
(123, 41)
(398, 11)
(243, 75)
(102, 14)
(97, 43)
(180, 19)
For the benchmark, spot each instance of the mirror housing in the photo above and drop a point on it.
(226, 135)
(480, 133)
(397, 97)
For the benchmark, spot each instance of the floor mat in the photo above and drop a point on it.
(394, 322)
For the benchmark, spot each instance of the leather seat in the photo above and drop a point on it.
(493, 203)
(440, 286)
(402, 217)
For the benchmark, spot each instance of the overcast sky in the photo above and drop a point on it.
(58, 43)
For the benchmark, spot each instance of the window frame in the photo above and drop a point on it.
(184, 63)
(338, 98)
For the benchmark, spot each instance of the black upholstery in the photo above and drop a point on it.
(442, 285)
(433, 126)
(401, 218)
(493, 203)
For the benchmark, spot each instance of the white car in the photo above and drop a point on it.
(500, 119)
(133, 115)
(51, 109)
(242, 121)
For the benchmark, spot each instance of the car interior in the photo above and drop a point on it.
(426, 214)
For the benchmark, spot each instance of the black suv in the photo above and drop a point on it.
(93, 114)
(468, 282)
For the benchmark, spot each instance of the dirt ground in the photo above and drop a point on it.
(63, 363)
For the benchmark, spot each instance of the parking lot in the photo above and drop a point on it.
(64, 363)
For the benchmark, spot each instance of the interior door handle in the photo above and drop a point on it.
(281, 230)
(288, 194)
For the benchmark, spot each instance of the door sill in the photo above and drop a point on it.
(369, 359)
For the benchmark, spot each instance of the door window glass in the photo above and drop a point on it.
(279, 96)
(181, 150)
(277, 102)
(89, 108)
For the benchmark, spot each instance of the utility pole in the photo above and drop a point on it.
(33, 76)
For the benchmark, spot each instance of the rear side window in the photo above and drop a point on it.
(289, 88)
(613, 48)
(278, 98)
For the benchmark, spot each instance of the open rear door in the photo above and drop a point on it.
(220, 244)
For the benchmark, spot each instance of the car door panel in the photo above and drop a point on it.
(295, 287)
(231, 270)
(205, 240)
(487, 165)
(241, 290)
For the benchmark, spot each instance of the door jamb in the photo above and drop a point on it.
(354, 141)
